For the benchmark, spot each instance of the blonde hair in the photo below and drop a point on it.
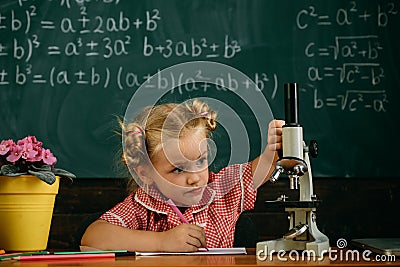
(143, 136)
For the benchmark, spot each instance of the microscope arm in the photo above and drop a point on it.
(306, 181)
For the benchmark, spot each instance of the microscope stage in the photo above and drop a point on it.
(277, 205)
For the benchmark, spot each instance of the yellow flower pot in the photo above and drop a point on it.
(26, 210)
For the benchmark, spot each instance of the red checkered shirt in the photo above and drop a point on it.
(217, 216)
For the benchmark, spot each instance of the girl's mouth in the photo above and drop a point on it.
(196, 191)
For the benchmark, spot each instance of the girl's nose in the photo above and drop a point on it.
(193, 178)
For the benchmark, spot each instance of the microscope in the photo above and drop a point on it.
(303, 233)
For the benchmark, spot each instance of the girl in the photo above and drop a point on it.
(165, 147)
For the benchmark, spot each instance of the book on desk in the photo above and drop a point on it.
(385, 246)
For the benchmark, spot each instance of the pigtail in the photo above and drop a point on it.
(211, 122)
(134, 145)
(202, 110)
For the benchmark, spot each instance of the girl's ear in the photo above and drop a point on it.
(144, 174)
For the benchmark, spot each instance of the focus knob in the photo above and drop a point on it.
(313, 148)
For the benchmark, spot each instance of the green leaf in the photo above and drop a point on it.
(46, 176)
(63, 173)
(10, 170)
(43, 167)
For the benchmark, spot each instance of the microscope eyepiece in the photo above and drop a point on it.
(291, 104)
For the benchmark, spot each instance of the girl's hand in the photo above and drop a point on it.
(275, 135)
(183, 238)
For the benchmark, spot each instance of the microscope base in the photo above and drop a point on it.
(265, 248)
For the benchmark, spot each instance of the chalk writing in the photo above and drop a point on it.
(353, 100)
(89, 36)
(84, 28)
(353, 59)
(347, 15)
(124, 79)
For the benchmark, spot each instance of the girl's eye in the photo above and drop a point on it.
(178, 169)
(201, 161)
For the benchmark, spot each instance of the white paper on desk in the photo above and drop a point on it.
(86, 248)
(201, 251)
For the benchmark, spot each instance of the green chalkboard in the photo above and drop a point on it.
(69, 67)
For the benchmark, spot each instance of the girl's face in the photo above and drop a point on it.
(181, 168)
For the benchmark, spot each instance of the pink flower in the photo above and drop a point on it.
(15, 153)
(27, 156)
(48, 157)
(29, 140)
(38, 156)
(5, 146)
(29, 152)
(28, 149)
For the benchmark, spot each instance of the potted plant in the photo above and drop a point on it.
(28, 185)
